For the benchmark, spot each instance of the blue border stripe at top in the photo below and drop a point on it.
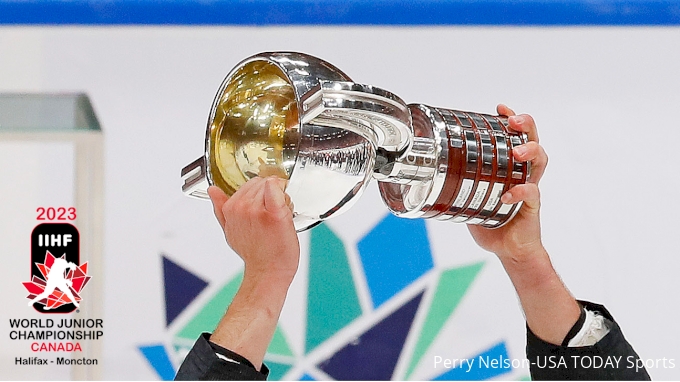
(340, 12)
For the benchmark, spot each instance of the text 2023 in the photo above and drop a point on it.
(59, 213)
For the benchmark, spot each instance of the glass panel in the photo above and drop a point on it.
(46, 112)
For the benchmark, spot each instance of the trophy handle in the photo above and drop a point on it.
(375, 114)
(195, 179)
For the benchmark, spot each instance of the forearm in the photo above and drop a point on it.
(550, 310)
(250, 321)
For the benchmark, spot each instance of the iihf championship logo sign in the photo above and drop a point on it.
(57, 277)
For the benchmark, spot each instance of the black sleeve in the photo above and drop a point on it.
(612, 358)
(202, 363)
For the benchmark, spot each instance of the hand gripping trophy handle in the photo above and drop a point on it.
(300, 118)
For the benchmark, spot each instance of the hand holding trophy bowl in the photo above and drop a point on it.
(300, 118)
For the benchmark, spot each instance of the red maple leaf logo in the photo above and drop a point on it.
(55, 288)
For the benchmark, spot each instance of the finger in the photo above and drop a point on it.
(534, 153)
(256, 196)
(242, 199)
(527, 193)
(502, 109)
(274, 197)
(218, 198)
(250, 188)
(283, 184)
(280, 182)
(524, 123)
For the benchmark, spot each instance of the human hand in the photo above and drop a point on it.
(521, 237)
(258, 224)
(549, 308)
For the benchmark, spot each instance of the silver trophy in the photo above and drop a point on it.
(298, 117)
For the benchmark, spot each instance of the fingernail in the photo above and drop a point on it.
(506, 198)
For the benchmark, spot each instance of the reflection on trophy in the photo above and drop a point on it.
(302, 119)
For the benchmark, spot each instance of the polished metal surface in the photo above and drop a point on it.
(413, 185)
(255, 109)
(487, 153)
(298, 117)
(371, 112)
(195, 177)
(502, 154)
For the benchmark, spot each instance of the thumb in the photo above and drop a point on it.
(274, 196)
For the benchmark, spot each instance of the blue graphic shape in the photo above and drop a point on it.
(374, 355)
(486, 365)
(394, 254)
(181, 288)
(306, 377)
(157, 356)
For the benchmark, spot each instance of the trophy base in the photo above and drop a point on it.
(473, 166)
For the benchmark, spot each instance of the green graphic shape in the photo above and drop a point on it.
(451, 287)
(277, 370)
(207, 318)
(332, 300)
(180, 348)
(279, 345)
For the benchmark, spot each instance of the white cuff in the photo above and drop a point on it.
(594, 328)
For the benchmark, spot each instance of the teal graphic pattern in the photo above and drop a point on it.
(393, 256)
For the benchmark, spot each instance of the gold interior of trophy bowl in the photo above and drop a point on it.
(252, 122)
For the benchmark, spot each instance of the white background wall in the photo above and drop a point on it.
(605, 99)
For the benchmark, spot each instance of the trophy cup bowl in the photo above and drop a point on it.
(300, 118)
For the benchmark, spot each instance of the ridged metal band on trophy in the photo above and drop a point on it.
(300, 118)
